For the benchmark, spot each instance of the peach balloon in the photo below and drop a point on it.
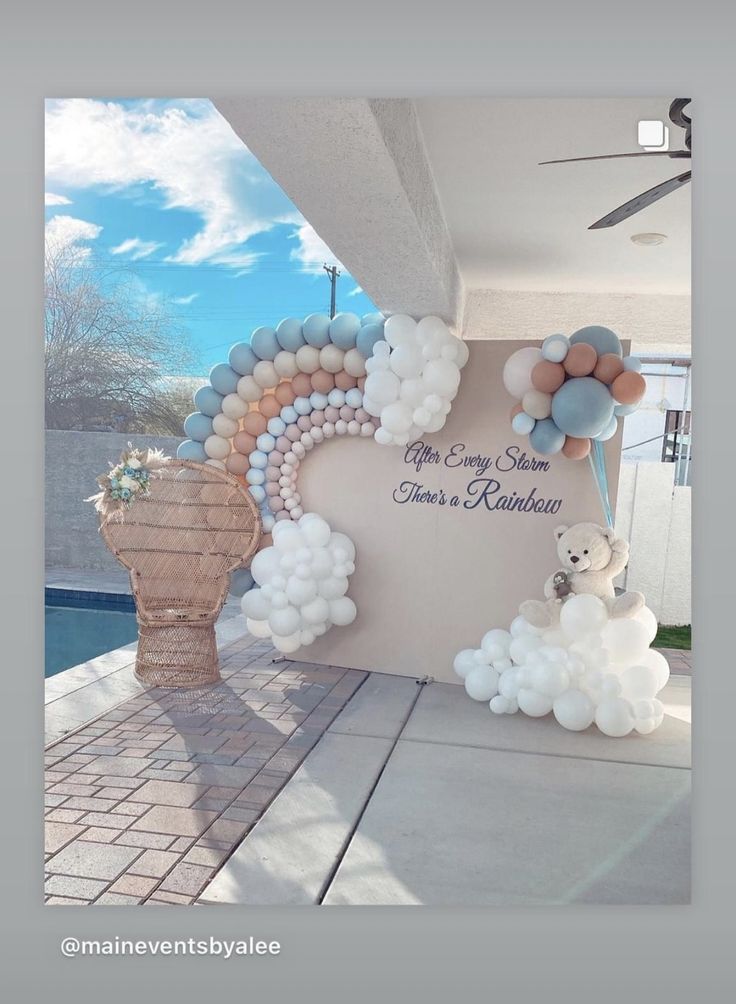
(275, 458)
(237, 464)
(268, 406)
(302, 385)
(254, 423)
(318, 418)
(361, 415)
(576, 449)
(322, 381)
(283, 445)
(608, 367)
(347, 414)
(284, 394)
(580, 360)
(282, 515)
(304, 422)
(276, 504)
(629, 387)
(514, 412)
(331, 413)
(272, 488)
(344, 381)
(272, 473)
(244, 443)
(547, 376)
(266, 541)
(293, 432)
(361, 382)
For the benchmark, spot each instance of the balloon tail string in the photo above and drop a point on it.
(597, 462)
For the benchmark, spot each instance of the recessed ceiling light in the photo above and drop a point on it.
(648, 239)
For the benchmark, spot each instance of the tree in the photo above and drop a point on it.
(112, 350)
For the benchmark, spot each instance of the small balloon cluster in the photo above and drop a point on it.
(413, 377)
(589, 668)
(302, 584)
(572, 390)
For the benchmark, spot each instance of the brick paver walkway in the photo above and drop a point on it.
(145, 804)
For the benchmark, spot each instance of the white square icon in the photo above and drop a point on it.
(652, 134)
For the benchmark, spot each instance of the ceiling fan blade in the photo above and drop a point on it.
(674, 154)
(641, 201)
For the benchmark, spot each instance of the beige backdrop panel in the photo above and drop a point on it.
(431, 579)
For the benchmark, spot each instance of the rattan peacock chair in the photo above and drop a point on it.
(180, 542)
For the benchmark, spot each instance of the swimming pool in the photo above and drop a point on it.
(81, 624)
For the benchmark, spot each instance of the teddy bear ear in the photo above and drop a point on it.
(609, 534)
(559, 530)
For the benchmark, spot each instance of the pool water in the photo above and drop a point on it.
(80, 628)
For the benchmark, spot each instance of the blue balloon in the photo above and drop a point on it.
(208, 401)
(555, 348)
(276, 426)
(258, 493)
(368, 335)
(258, 460)
(582, 407)
(546, 437)
(224, 378)
(374, 318)
(266, 442)
(522, 423)
(303, 406)
(241, 581)
(344, 330)
(242, 358)
(255, 476)
(289, 334)
(632, 363)
(610, 430)
(264, 343)
(198, 426)
(622, 410)
(602, 339)
(189, 450)
(289, 414)
(316, 330)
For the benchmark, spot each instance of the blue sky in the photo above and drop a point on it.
(166, 189)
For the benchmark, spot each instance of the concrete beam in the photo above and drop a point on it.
(358, 172)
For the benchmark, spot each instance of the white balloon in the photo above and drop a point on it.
(522, 646)
(583, 615)
(315, 612)
(342, 611)
(574, 710)
(496, 643)
(354, 363)
(508, 683)
(463, 663)
(614, 717)
(249, 390)
(406, 360)
(638, 683)
(265, 374)
(440, 377)
(307, 359)
(300, 591)
(413, 392)
(224, 426)
(499, 705)
(344, 543)
(255, 605)
(396, 418)
(537, 404)
(383, 437)
(288, 644)
(533, 704)
(316, 532)
(657, 662)
(216, 447)
(284, 621)
(517, 372)
(551, 679)
(234, 407)
(382, 388)
(481, 683)
(399, 328)
(331, 358)
(625, 639)
(259, 629)
(519, 626)
(285, 365)
(645, 616)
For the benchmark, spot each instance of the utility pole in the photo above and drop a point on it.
(332, 272)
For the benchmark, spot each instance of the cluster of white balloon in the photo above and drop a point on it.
(589, 668)
(412, 378)
(302, 581)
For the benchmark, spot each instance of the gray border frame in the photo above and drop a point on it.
(566, 48)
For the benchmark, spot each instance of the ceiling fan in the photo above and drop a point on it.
(682, 121)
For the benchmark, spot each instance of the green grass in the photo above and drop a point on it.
(673, 637)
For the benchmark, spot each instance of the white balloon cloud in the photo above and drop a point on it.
(412, 378)
(302, 581)
(592, 668)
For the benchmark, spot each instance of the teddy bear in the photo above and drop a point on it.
(592, 556)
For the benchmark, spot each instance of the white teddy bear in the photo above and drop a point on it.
(592, 556)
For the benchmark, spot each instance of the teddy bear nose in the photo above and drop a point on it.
(574, 559)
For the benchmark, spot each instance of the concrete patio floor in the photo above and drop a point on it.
(294, 783)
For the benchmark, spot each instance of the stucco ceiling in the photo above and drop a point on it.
(515, 225)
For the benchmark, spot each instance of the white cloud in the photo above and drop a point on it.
(355, 291)
(64, 231)
(312, 250)
(56, 200)
(136, 248)
(186, 151)
(185, 300)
